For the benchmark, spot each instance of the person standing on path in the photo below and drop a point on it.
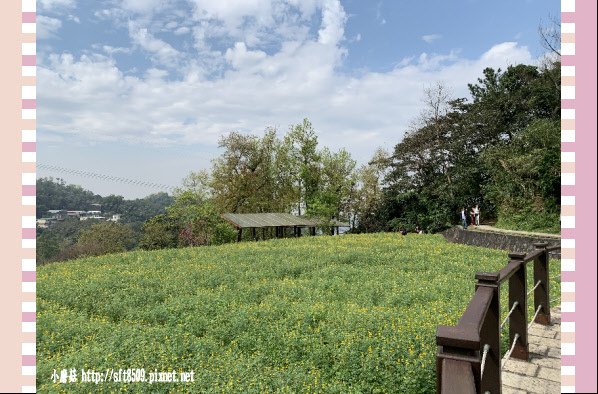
(464, 218)
(476, 211)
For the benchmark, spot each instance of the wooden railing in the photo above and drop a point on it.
(469, 354)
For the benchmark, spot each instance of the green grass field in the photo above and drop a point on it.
(351, 313)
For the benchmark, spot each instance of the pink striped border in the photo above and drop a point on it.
(567, 196)
(28, 227)
(569, 140)
(578, 169)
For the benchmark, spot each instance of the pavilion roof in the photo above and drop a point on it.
(263, 220)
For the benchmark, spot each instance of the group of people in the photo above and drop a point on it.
(417, 231)
(474, 215)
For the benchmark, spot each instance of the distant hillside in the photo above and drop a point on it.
(56, 194)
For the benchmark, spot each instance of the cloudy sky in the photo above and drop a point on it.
(142, 89)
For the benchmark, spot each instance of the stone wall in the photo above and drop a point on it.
(512, 243)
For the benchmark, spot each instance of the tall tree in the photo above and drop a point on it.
(247, 177)
(525, 176)
(366, 195)
(438, 101)
(505, 103)
(302, 144)
(195, 191)
(331, 201)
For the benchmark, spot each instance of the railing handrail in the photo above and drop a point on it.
(459, 376)
(508, 270)
(463, 342)
(527, 257)
(553, 247)
(466, 334)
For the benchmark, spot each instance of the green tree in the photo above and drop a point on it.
(160, 232)
(56, 194)
(142, 209)
(305, 159)
(193, 215)
(505, 103)
(430, 171)
(104, 238)
(246, 178)
(62, 235)
(525, 177)
(194, 192)
(367, 193)
(453, 155)
(112, 204)
(332, 199)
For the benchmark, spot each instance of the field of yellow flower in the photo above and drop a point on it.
(350, 313)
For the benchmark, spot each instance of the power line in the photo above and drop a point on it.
(104, 177)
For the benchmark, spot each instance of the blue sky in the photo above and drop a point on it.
(143, 89)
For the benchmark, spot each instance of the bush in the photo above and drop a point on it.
(529, 218)
(160, 232)
(79, 250)
(104, 238)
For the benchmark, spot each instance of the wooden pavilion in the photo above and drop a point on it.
(276, 221)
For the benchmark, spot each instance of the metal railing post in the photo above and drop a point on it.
(518, 318)
(490, 334)
(541, 293)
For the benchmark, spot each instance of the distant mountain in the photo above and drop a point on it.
(56, 194)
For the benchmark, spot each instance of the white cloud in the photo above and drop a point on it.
(47, 27)
(507, 53)
(48, 5)
(232, 12)
(356, 38)
(144, 6)
(333, 22)
(110, 50)
(263, 23)
(182, 30)
(170, 25)
(435, 61)
(240, 58)
(161, 52)
(104, 14)
(91, 96)
(430, 38)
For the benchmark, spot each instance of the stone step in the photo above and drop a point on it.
(542, 373)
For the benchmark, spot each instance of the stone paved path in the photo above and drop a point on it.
(483, 227)
(542, 373)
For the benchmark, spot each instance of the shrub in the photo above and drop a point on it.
(160, 232)
(106, 238)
